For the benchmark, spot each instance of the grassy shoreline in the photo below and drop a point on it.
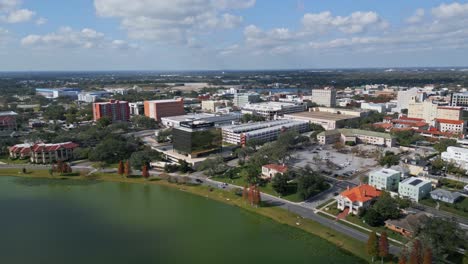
(349, 245)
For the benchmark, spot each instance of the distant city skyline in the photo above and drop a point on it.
(158, 35)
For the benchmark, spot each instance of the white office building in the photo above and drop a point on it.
(381, 108)
(414, 188)
(385, 179)
(459, 99)
(324, 97)
(91, 97)
(218, 120)
(457, 155)
(272, 110)
(263, 131)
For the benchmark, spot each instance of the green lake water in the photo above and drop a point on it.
(63, 222)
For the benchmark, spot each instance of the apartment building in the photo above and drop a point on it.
(43, 153)
(158, 109)
(263, 131)
(115, 110)
(324, 97)
(272, 110)
(414, 188)
(385, 179)
(457, 155)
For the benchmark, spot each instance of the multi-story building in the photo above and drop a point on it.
(459, 99)
(44, 153)
(7, 123)
(91, 97)
(328, 118)
(262, 131)
(457, 155)
(385, 179)
(58, 92)
(137, 108)
(218, 120)
(356, 136)
(324, 97)
(414, 188)
(194, 138)
(429, 111)
(272, 110)
(210, 105)
(358, 198)
(411, 95)
(158, 109)
(114, 110)
(447, 125)
(241, 99)
(381, 108)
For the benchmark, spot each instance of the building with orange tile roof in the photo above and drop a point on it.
(270, 170)
(357, 198)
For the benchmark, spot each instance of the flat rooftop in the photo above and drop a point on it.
(416, 182)
(321, 115)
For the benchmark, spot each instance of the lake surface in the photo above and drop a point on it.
(62, 221)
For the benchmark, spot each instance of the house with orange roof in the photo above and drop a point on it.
(270, 170)
(357, 198)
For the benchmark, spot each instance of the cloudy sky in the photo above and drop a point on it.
(230, 34)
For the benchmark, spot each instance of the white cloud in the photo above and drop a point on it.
(445, 11)
(8, 5)
(67, 37)
(172, 21)
(356, 22)
(417, 17)
(41, 21)
(19, 16)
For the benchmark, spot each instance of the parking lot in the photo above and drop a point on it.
(334, 163)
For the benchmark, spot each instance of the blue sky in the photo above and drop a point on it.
(230, 34)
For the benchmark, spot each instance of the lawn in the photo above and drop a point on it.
(459, 208)
(452, 185)
(294, 197)
(7, 160)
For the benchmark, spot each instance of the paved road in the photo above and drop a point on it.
(298, 209)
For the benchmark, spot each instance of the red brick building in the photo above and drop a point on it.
(163, 108)
(114, 110)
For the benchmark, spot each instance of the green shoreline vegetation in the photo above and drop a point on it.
(347, 244)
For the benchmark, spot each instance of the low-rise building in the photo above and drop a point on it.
(270, 170)
(211, 105)
(356, 136)
(196, 138)
(414, 188)
(241, 99)
(43, 153)
(357, 198)
(385, 179)
(407, 225)
(381, 108)
(445, 196)
(457, 155)
(91, 97)
(52, 93)
(272, 110)
(328, 120)
(453, 126)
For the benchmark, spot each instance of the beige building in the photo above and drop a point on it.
(356, 136)
(324, 97)
(210, 105)
(329, 118)
(429, 111)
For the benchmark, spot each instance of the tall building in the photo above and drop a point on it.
(157, 109)
(241, 99)
(404, 98)
(137, 108)
(196, 139)
(114, 110)
(324, 97)
(459, 99)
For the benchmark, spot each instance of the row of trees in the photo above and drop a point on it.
(378, 246)
(252, 195)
